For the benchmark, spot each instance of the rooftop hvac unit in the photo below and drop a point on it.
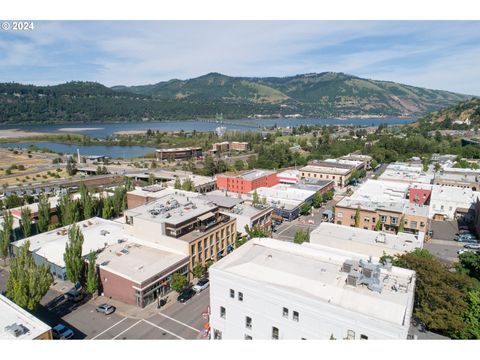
(104, 232)
(353, 279)
(17, 329)
(381, 238)
(347, 266)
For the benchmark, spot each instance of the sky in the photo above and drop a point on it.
(433, 54)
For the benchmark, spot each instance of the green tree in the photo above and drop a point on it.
(264, 201)
(373, 164)
(255, 198)
(92, 276)
(71, 168)
(73, 254)
(43, 214)
(441, 296)
(469, 264)
(178, 184)
(305, 209)
(67, 209)
(378, 225)
(437, 167)
(28, 282)
(119, 200)
(301, 237)
(257, 232)
(107, 209)
(178, 282)
(26, 221)
(401, 226)
(472, 316)
(198, 271)
(239, 165)
(317, 200)
(188, 185)
(6, 233)
(128, 183)
(357, 217)
(151, 179)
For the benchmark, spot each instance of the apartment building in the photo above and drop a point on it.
(271, 289)
(246, 181)
(224, 146)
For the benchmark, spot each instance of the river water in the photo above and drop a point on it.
(102, 130)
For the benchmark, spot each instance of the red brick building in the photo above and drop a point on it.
(246, 181)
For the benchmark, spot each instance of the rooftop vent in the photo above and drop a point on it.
(104, 232)
(348, 266)
(353, 279)
(17, 329)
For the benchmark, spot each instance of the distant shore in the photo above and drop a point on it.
(79, 129)
(16, 133)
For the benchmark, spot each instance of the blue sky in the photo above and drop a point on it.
(433, 54)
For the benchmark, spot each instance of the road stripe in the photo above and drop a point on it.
(281, 232)
(169, 332)
(179, 322)
(111, 327)
(124, 331)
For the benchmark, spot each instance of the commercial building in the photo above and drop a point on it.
(178, 153)
(239, 146)
(448, 203)
(186, 224)
(328, 170)
(252, 216)
(201, 184)
(285, 200)
(246, 181)
(366, 242)
(18, 324)
(288, 176)
(406, 173)
(49, 247)
(271, 289)
(365, 159)
(136, 272)
(385, 203)
(143, 195)
(420, 194)
(457, 177)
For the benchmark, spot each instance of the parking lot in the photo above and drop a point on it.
(174, 321)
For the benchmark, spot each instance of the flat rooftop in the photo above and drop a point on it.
(367, 242)
(97, 232)
(11, 313)
(327, 169)
(222, 200)
(157, 191)
(138, 262)
(247, 210)
(249, 175)
(178, 149)
(289, 174)
(197, 180)
(173, 208)
(314, 272)
(452, 194)
(402, 172)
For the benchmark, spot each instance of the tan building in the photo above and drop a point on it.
(338, 172)
(187, 224)
(178, 153)
(230, 146)
(239, 146)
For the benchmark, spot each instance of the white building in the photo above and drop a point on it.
(406, 173)
(270, 289)
(447, 201)
(366, 242)
(18, 324)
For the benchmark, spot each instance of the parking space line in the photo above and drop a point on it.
(179, 322)
(281, 232)
(111, 327)
(159, 327)
(124, 331)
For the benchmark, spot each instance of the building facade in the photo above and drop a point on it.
(246, 181)
(270, 289)
(338, 172)
(178, 153)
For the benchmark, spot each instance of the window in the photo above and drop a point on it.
(274, 333)
(339, 215)
(248, 337)
(363, 337)
(351, 335)
(383, 218)
(295, 316)
(240, 296)
(223, 312)
(248, 322)
(232, 293)
(394, 220)
(413, 224)
(285, 312)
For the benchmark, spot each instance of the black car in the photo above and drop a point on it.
(186, 295)
(74, 295)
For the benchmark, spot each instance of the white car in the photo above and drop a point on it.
(201, 285)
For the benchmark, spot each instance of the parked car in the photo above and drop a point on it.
(106, 309)
(186, 295)
(472, 246)
(74, 295)
(62, 332)
(201, 285)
